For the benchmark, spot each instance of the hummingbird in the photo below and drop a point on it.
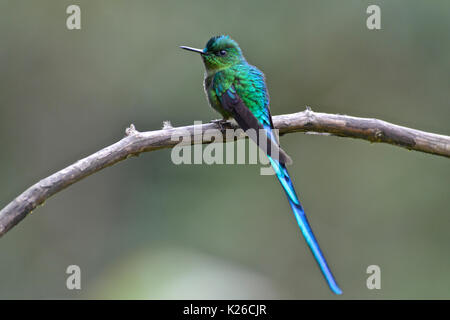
(238, 90)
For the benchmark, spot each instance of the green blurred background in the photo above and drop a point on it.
(146, 228)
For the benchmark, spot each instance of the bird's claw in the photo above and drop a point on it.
(222, 123)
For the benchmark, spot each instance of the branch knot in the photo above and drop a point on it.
(131, 130)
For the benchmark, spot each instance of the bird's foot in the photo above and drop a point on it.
(222, 123)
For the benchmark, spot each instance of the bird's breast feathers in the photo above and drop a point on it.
(248, 83)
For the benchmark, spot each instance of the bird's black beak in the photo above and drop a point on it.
(192, 49)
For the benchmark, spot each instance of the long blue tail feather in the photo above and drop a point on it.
(300, 216)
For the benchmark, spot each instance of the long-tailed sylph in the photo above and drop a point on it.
(238, 90)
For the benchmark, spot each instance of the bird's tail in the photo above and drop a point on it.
(286, 183)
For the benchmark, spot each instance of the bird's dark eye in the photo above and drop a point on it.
(222, 53)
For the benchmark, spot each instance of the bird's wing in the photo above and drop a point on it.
(233, 103)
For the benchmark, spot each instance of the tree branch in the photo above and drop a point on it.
(135, 142)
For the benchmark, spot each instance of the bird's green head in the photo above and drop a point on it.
(219, 53)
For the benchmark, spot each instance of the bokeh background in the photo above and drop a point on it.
(148, 229)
